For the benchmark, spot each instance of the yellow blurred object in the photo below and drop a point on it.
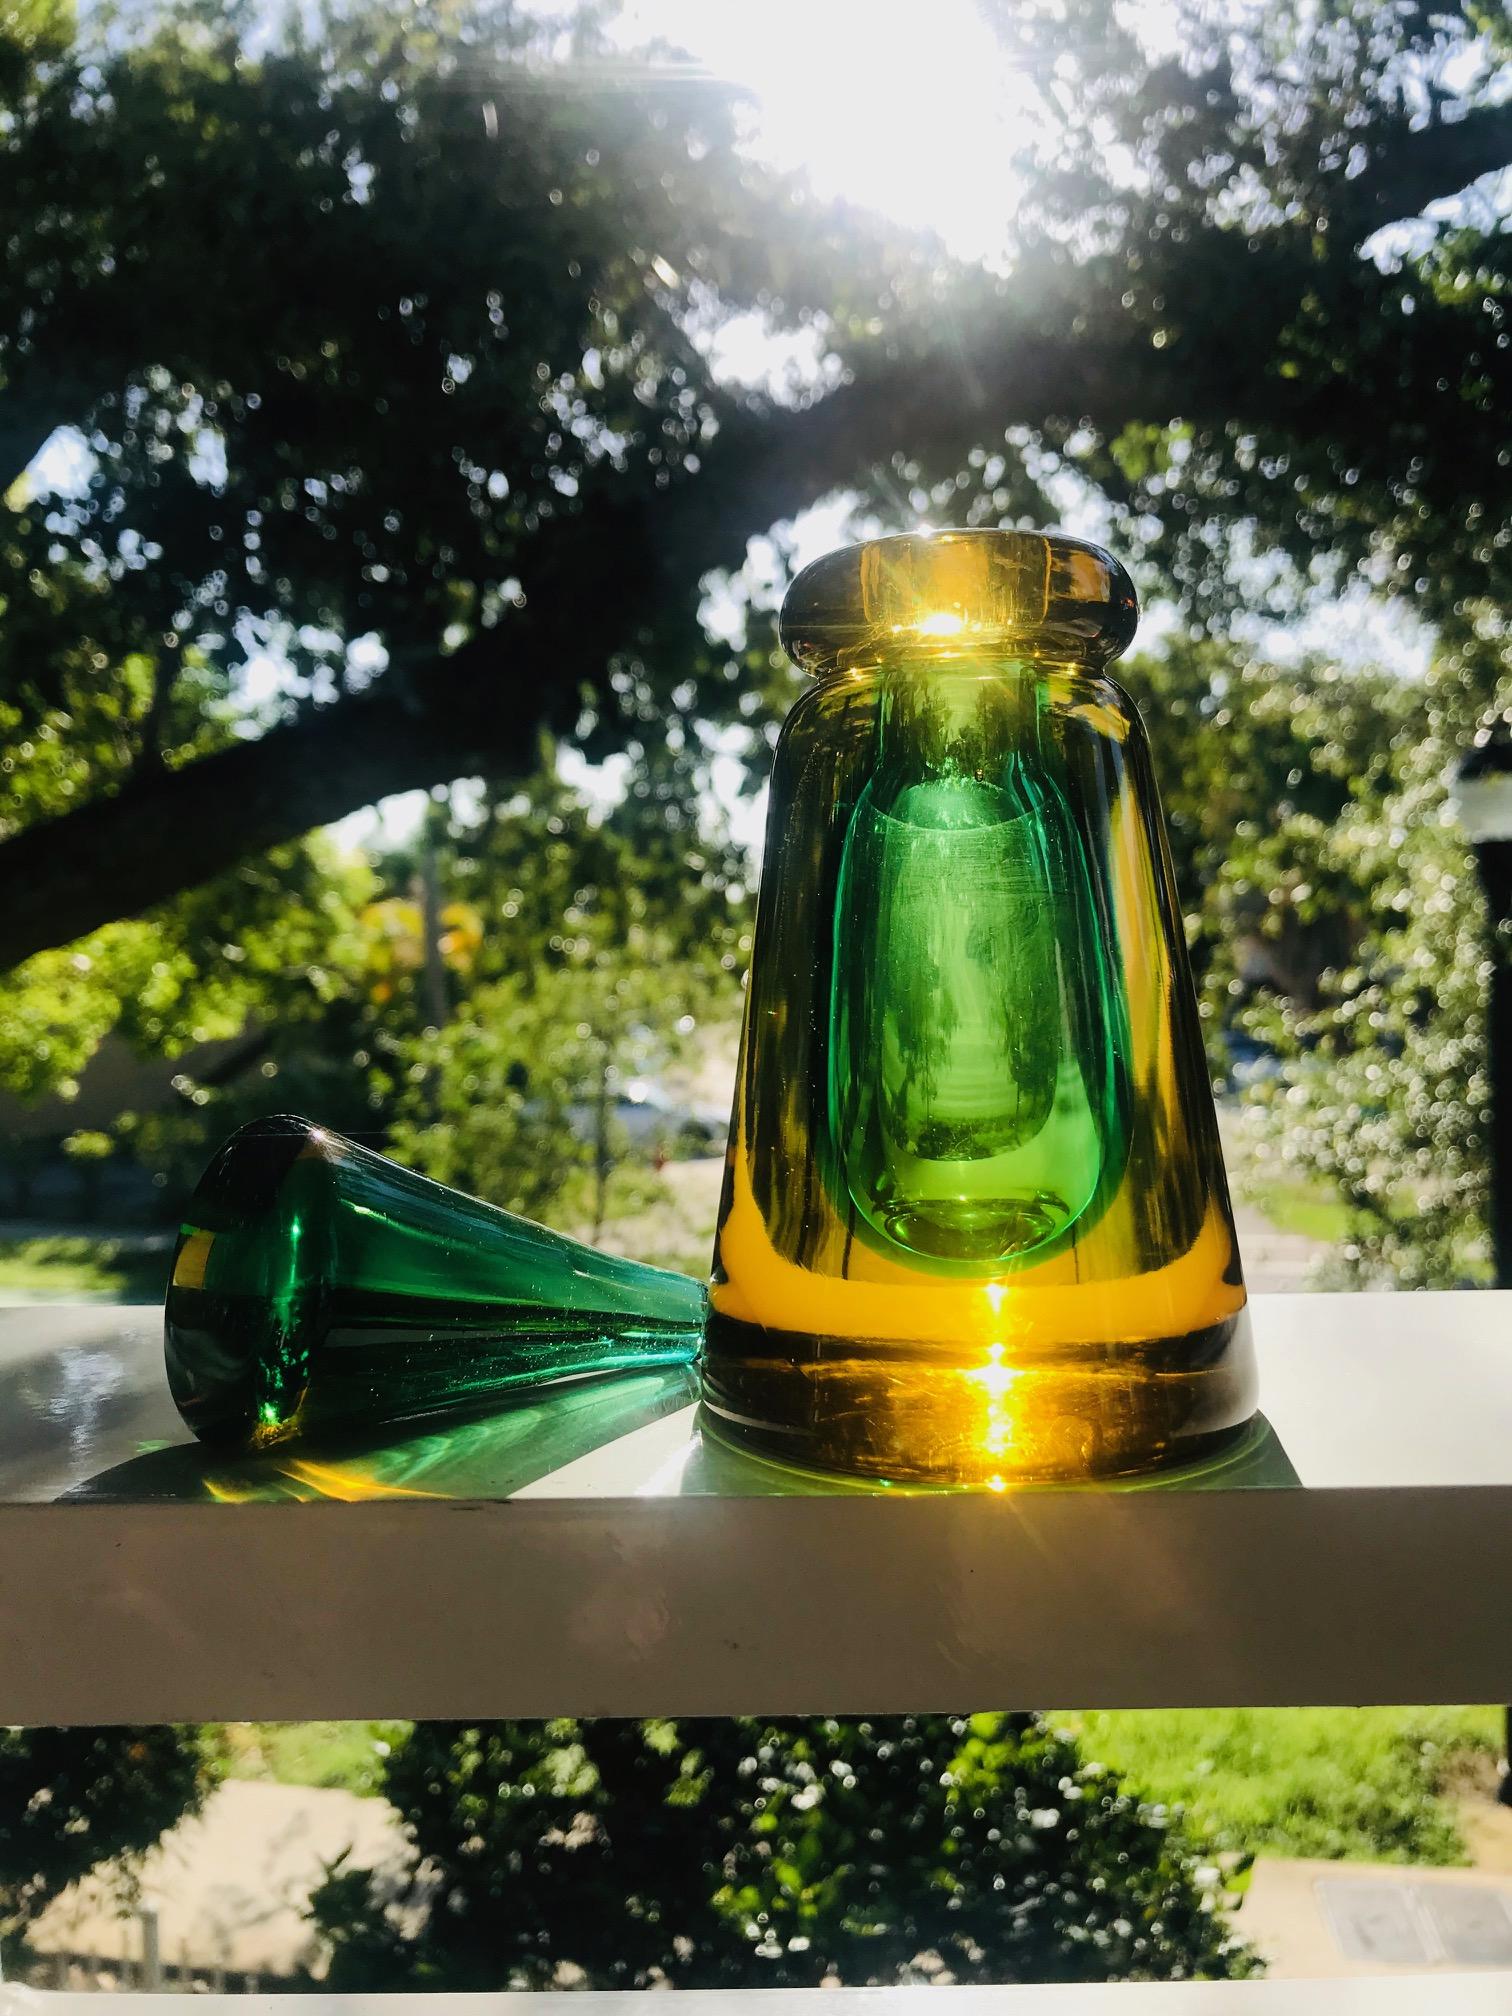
(394, 929)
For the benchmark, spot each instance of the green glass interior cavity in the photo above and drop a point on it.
(975, 1090)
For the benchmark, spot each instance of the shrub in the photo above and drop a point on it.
(745, 1853)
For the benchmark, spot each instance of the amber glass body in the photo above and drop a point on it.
(975, 1226)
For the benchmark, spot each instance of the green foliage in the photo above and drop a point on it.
(1365, 1784)
(385, 334)
(388, 350)
(1386, 1089)
(1344, 418)
(598, 947)
(344, 1756)
(552, 880)
(67, 1268)
(73, 1798)
(514, 1099)
(275, 941)
(380, 331)
(1255, 760)
(1360, 1783)
(1332, 909)
(735, 1854)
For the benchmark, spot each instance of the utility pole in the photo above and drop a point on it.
(1481, 788)
(437, 1005)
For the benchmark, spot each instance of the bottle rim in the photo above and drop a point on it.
(957, 593)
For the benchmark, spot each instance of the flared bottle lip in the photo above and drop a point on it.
(959, 592)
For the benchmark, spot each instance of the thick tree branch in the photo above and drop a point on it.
(609, 571)
(768, 465)
(477, 712)
(165, 831)
(170, 830)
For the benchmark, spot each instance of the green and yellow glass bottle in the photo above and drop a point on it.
(975, 1227)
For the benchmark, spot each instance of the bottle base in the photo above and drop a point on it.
(914, 1414)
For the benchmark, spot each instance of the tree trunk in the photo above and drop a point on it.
(602, 1164)
(167, 831)
(437, 1008)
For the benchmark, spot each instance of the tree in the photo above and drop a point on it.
(1327, 406)
(543, 909)
(73, 1798)
(387, 345)
(453, 374)
(1308, 814)
(601, 946)
(1256, 762)
(455, 338)
(741, 1854)
(276, 940)
(269, 940)
(516, 1098)
(551, 879)
(1386, 1089)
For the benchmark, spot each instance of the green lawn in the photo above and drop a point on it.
(1309, 1208)
(346, 1755)
(1355, 1783)
(74, 1266)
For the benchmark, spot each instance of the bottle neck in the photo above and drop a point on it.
(959, 717)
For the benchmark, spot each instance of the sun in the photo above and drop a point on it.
(912, 112)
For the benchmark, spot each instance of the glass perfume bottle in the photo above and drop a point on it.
(975, 1226)
(318, 1285)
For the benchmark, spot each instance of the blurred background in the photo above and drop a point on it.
(410, 416)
